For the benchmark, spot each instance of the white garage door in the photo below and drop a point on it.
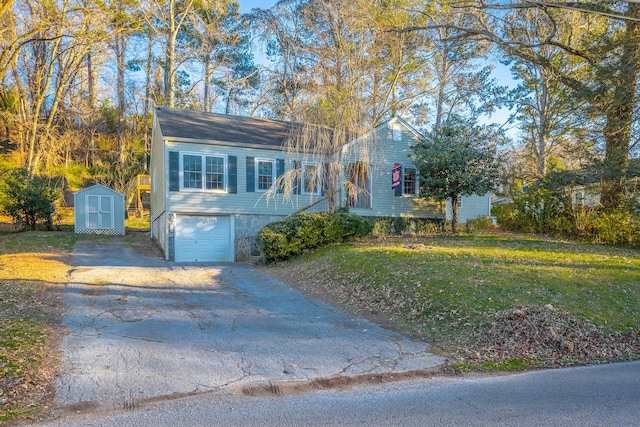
(203, 238)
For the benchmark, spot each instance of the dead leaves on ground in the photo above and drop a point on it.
(549, 336)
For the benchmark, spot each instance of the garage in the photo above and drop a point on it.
(203, 238)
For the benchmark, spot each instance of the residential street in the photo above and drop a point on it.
(605, 395)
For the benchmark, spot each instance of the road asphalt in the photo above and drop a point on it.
(143, 328)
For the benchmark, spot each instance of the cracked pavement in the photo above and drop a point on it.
(142, 327)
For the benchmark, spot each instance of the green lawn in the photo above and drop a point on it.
(450, 288)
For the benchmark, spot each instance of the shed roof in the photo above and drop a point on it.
(98, 186)
(224, 128)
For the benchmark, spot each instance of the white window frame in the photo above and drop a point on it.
(417, 184)
(203, 177)
(318, 178)
(259, 160)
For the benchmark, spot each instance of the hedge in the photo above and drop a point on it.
(302, 232)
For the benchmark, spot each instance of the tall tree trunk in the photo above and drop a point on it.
(207, 87)
(91, 100)
(120, 48)
(617, 132)
(543, 129)
(442, 83)
(169, 80)
(91, 104)
(454, 214)
(147, 103)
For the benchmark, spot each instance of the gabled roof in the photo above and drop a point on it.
(197, 125)
(389, 122)
(95, 186)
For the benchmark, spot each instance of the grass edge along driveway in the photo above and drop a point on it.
(488, 301)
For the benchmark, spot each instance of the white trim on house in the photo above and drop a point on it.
(203, 172)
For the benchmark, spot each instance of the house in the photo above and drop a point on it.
(216, 180)
(98, 210)
(471, 207)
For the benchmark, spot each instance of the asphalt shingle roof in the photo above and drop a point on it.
(224, 128)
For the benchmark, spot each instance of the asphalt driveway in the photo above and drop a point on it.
(141, 327)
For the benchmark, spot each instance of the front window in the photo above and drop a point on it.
(214, 178)
(410, 183)
(310, 178)
(265, 174)
(192, 171)
(200, 172)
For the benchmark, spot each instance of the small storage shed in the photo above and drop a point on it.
(98, 210)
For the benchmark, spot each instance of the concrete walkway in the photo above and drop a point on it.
(140, 328)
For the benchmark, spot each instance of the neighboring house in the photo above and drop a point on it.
(585, 196)
(471, 207)
(212, 179)
(98, 210)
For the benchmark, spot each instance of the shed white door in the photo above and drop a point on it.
(203, 238)
(99, 211)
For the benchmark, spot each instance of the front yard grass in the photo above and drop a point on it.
(455, 291)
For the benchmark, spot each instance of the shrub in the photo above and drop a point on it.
(482, 223)
(618, 227)
(28, 200)
(551, 212)
(384, 226)
(299, 233)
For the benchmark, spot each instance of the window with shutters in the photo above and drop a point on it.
(409, 182)
(203, 172)
(265, 174)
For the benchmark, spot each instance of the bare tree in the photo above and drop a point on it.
(168, 19)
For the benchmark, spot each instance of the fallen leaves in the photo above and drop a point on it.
(552, 337)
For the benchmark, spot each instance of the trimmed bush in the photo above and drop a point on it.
(302, 232)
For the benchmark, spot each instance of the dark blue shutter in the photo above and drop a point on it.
(232, 165)
(297, 165)
(324, 183)
(279, 173)
(174, 171)
(251, 174)
(400, 188)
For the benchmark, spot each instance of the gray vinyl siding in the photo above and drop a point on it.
(381, 152)
(473, 207)
(243, 202)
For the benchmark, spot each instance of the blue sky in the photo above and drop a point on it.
(247, 5)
